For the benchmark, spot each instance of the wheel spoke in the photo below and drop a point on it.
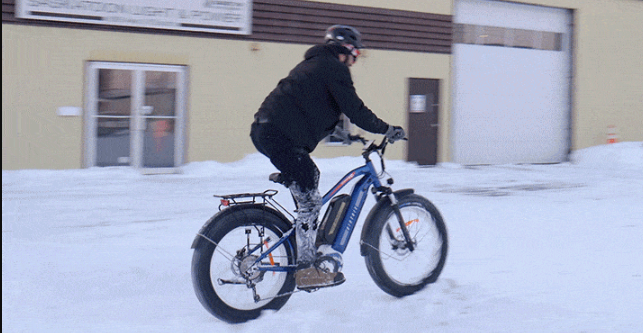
(222, 251)
(242, 269)
(409, 268)
(394, 267)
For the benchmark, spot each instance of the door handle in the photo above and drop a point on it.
(147, 109)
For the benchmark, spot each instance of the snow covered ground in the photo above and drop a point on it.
(533, 248)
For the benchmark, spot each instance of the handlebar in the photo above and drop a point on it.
(369, 147)
(372, 147)
(348, 138)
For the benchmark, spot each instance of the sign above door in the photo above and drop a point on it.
(228, 17)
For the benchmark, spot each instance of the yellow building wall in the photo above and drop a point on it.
(380, 80)
(38, 77)
(43, 69)
(609, 76)
(228, 80)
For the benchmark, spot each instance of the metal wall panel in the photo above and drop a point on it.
(304, 22)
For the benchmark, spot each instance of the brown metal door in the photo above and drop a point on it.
(423, 101)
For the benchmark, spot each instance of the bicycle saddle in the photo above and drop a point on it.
(278, 178)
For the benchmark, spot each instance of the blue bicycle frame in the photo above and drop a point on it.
(358, 197)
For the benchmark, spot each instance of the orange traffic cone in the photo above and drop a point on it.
(611, 134)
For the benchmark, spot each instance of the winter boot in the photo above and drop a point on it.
(315, 277)
(329, 258)
(325, 272)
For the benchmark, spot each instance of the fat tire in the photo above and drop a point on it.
(373, 256)
(204, 250)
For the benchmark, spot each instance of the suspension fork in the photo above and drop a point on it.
(400, 219)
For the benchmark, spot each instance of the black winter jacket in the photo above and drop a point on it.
(307, 104)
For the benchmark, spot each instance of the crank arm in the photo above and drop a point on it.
(285, 294)
(224, 282)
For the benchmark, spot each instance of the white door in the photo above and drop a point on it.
(135, 116)
(512, 81)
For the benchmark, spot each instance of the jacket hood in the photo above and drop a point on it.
(325, 50)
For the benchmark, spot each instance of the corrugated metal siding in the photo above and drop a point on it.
(304, 22)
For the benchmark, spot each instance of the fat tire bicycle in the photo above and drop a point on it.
(244, 257)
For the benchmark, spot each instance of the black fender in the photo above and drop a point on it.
(205, 229)
(382, 202)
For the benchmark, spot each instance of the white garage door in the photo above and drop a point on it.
(512, 79)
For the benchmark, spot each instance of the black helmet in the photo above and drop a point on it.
(343, 35)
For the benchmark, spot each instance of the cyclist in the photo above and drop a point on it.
(303, 109)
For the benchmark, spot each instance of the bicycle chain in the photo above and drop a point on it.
(288, 294)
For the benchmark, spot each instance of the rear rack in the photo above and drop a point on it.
(264, 198)
(235, 199)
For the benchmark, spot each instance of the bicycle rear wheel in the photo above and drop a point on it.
(396, 269)
(222, 266)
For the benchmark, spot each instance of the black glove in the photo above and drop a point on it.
(395, 133)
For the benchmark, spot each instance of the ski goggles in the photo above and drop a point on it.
(354, 51)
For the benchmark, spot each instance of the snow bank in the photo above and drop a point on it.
(616, 156)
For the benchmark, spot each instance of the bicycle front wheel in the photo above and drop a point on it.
(395, 268)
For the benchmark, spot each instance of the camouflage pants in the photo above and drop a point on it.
(309, 203)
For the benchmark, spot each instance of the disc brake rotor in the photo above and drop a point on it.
(400, 247)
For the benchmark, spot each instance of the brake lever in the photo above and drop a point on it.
(385, 142)
(355, 138)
